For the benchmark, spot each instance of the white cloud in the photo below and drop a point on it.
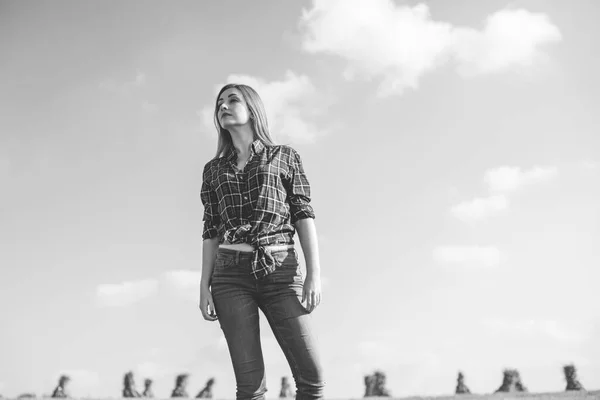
(511, 38)
(500, 181)
(479, 207)
(125, 293)
(290, 104)
(508, 179)
(185, 282)
(401, 43)
(472, 256)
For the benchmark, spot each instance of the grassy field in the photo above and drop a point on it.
(583, 395)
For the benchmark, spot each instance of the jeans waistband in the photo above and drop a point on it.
(270, 248)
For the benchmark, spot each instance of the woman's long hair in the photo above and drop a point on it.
(258, 117)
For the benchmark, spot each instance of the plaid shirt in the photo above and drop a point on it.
(258, 205)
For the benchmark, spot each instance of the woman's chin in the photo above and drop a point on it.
(230, 123)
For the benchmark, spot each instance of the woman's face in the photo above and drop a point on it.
(232, 109)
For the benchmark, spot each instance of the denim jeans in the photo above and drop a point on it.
(237, 296)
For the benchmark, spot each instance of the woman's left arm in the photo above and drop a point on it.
(303, 219)
(307, 233)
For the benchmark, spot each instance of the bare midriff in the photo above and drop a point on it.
(237, 247)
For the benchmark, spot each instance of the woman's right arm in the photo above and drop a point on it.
(209, 254)
(210, 244)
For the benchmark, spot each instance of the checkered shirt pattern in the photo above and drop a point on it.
(258, 205)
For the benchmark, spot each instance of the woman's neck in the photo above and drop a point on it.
(242, 139)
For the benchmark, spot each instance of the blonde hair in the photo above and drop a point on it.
(258, 116)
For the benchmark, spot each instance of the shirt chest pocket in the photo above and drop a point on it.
(271, 181)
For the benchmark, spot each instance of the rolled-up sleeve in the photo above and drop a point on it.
(209, 199)
(298, 190)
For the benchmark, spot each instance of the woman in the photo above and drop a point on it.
(256, 196)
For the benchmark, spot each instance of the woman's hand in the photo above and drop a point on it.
(311, 292)
(207, 306)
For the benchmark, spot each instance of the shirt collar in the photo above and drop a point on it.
(231, 154)
(256, 148)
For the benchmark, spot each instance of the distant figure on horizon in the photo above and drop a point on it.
(61, 389)
(375, 385)
(380, 380)
(180, 386)
(511, 382)
(571, 378)
(148, 389)
(207, 393)
(256, 198)
(286, 389)
(129, 386)
(461, 387)
(369, 385)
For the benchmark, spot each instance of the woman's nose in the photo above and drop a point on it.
(223, 106)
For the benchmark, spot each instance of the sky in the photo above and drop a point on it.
(453, 151)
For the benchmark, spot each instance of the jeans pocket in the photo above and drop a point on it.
(287, 268)
(224, 261)
(287, 257)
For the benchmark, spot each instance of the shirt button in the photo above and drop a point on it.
(245, 197)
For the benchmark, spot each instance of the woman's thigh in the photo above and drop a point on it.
(280, 300)
(235, 303)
